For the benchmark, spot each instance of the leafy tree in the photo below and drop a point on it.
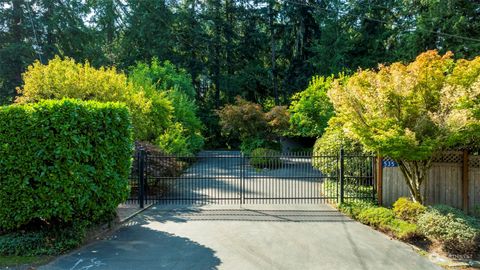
(311, 109)
(163, 76)
(411, 111)
(243, 119)
(176, 85)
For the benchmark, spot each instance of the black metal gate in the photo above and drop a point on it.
(228, 177)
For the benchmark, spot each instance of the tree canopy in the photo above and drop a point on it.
(256, 49)
(411, 111)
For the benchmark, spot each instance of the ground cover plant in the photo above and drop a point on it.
(455, 232)
(64, 168)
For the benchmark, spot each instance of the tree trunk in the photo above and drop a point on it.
(273, 57)
(415, 173)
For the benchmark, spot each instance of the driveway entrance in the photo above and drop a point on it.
(249, 237)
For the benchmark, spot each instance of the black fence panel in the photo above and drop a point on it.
(228, 177)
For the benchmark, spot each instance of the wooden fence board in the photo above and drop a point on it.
(444, 185)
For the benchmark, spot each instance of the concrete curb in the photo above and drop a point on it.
(127, 218)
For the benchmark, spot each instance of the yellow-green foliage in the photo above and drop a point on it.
(410, 111)
(63, 78)
(407, 111)
(408, 210)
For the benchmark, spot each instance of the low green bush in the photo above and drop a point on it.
(378, 217)
(353, 209)
(407, 209)
(249, 144)
(63, 162)
(265, 158)
(381, 218)
(55, 240)
(458, 233)
(402, 229)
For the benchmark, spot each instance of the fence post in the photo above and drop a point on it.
(141, 178)
(341, 176)
(465, 177)
(379, 178)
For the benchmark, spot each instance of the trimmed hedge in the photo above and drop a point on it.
(63, 162)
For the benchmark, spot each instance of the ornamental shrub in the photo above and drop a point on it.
(381, 218)
(63, 78)
(408, 210)
(378, 217)
(458, 233)
(64, 161)
(265, 158)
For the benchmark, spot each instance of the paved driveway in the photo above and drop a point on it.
(252, 237)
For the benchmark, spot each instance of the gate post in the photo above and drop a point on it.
(341, 176)
(242, 179)
(379, 178)
(141, 178)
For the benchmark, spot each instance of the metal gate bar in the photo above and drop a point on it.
(228, 177)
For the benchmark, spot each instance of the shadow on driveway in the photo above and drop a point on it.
(137, 246)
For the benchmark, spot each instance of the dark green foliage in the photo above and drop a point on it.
(262, 158)
(408, 210)
(259, 50)
(63, 161)
(458, 233)
(51, 241)
(250, 144)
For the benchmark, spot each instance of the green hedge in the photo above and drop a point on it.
(63, 161)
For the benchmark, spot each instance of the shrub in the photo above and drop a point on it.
(402, 229)
(250, 144)
(378, 217)
(67, 79)
(278, 119)
(311, 109)
(63, 161)
(243, 119)
(265, 158)
(330, 143)
(458, 232)
(408, 210)
(353, 209)
(176, 85)
(174, 142)
(381, 218)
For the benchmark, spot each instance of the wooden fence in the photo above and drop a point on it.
(454, 180)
